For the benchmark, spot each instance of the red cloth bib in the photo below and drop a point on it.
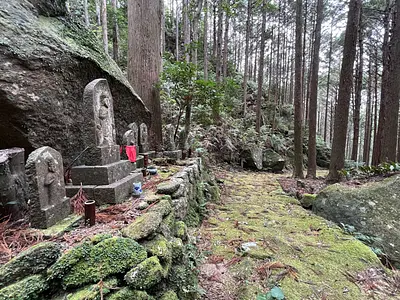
(131, 153)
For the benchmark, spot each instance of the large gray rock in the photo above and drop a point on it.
(45, 64)
(253, 158)
(272, 161)
(373, 210)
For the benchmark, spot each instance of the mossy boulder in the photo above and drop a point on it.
(163, 207)
(29, 262)
(272, 161)
(94, 292)
(307, 200)
(253, 158)
(170, 295)
(372, 210)
(159, 246)
(147, 274)
(176, 248)
(323, 155)
(181, 230)
(29, 288)
(167, 225)
(45, 63)
(129, 294)
(183, 279)
(169, 187)
(144, 226)
(90, 263)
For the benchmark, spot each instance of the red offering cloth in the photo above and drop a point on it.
(131, 153)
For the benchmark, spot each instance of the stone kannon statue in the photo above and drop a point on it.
(99, 138)
(143, 138)
(131, 136)
(48, 203)
(169, 140)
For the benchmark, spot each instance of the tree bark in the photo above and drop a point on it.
(115, 31)
(261, 67)
(196, 20)
(205, 40)
(368, 116)
(246, 54)
(186, 29)
(86, 13)
(226, 44)
(328, 85)
(298, 95)
(345, 87)
(312, 134)
(389, 138)
(377, 151)
(218, 69)
(358, 90)
(144, 54)
(177, 31)
(104, 24)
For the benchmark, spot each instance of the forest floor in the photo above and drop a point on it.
(259, 243)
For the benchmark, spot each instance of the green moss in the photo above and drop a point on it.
(100, 237)
(307, 200)
(129, 294)
(176, 248)
(284, 232)
(88, 263)
(143, 226)
(93, 292)
(62, 226)
(29, 288)
(168, 225)
(147, 274)
(163, 207)
(181, 230)
(29, 262)
(160, 247)
(170, 295)
(183, 280)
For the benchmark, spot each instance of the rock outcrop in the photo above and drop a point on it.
(46, 60)
(373, 211)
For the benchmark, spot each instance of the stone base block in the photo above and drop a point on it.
(101, 175)
(50, 215)
(114, 193)
(100, 156)
(151, 154)
(177, 154)
(140, 162)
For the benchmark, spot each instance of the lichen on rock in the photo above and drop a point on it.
(32, 261)
(30, 288)
(144, 226)
(147, 274)
(127, 294)
(90, 263)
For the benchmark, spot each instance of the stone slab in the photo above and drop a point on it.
(50, 215)
(140, 162)
(61, 227)
(101, 175)
(102, 155)
(114, 193)
(177, 154)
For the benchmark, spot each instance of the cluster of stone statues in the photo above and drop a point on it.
(101, 173)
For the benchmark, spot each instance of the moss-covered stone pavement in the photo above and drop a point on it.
(257, 238)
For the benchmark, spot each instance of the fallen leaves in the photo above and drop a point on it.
(265, 271)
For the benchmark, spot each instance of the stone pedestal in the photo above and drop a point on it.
(103, 176)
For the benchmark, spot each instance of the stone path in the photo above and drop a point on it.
(258, 238)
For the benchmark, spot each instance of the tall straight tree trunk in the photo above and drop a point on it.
(345, 87)
(104, 24)
(177, 30)
(218, 71)
(357, 98)
(98, 12)
(115, 31)
(377, 151)
(86, 13)
(205, 40)
(368, 115)
(328, 85)
(261, 67)
(226, 37)
(389, 138)
(214, 52)
(298, 95)
(312, 134)
(196, 21)
(144, 54)
(186, 29)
